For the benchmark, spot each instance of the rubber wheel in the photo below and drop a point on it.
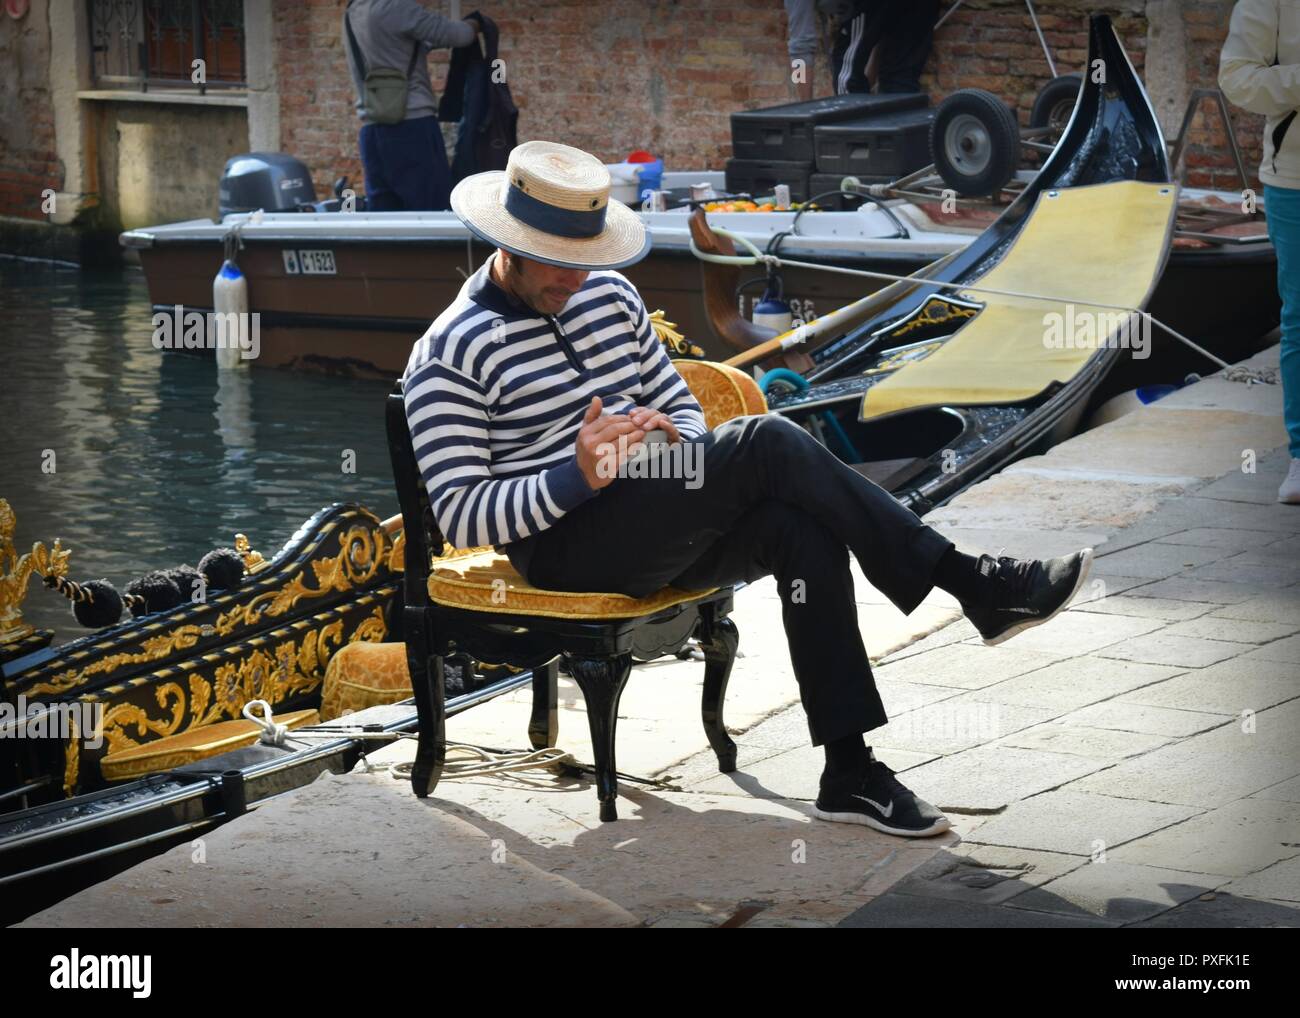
(1055, 102)
(975, 142)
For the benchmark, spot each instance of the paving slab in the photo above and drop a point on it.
(1212, 769)
(1116, 891)
(1041, 494)
(1286, 650)
(985, 874)
(1194, 510)
(903, 911)
(1233, 630)
(1123, 716)
(1068, 685)
(1229, 687)
(955, 724)
(1273, 606)
(1245, 569)
(1064, 736)
(1221, 538)
(1078, 823)
(1152, 443)
(1184, 588)
(989, 778)
(965, 665)
(1283, 791)
(1279, 882)
(1226, 911)
(1158, 560)
(1164, 648)
(1163, 609)
(1235, 840)
(1287, 548)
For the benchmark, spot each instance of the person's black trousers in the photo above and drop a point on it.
(767, 499)
(405, 166)
(905, 30)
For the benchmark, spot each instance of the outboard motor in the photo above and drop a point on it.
(272, 181)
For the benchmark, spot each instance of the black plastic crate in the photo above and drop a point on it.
(820, 183)
(760, 176)
(786, 132)
(891, 145)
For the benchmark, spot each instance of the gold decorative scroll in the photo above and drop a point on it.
(271, 673)
(935, 312)
(361, 556)
(152, 649)
(16, 570)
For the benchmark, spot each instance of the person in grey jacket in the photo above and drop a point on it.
(405, 163)
(1259, 70)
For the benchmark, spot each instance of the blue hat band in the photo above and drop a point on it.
(550, 219)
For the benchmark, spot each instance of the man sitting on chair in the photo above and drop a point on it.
(528, 395)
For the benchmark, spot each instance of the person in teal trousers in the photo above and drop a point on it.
(1259, 70)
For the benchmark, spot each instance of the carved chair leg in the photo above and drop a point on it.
(428, 683)
(601, 681)
(718, 639)
(544, 726)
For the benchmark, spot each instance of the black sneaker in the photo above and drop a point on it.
(879, 800)
(1021, 594)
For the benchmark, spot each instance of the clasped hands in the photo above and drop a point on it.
(606, 441)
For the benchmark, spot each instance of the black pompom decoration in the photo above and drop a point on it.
(187, 580)
(104, 608)
(95, 604)
(158, 591)
(224, 569)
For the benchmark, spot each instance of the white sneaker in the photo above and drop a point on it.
(1290, 490)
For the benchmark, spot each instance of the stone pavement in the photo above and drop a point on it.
(1133, 762)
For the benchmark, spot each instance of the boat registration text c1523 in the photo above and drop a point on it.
(309, 262)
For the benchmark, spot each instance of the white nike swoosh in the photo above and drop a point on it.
(885, 812)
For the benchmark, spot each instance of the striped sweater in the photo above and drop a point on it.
(495, 395)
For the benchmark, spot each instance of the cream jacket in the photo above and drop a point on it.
(1259, 70)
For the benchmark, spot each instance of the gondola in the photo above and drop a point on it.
(948, 375)
(920, 386)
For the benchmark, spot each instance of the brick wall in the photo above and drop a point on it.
(1209, 162)
(664, 75)
(28, 163)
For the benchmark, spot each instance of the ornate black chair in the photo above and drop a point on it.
(473, 602)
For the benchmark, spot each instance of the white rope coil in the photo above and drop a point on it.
(481, 761)
(272, 734)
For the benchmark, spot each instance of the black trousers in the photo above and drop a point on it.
(771, 500)
(905, 30)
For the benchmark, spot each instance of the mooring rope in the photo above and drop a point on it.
(482, 760)
(772, 261)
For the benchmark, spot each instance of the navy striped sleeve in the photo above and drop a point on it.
(447, 412)
(662, 386)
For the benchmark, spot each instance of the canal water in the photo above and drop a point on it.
(142, 459)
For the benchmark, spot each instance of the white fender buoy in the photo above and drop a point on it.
(230, 295)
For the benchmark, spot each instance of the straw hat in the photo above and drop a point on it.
(552, 203)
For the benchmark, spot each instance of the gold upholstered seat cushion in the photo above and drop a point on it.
(363, 674)
(486, 581)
